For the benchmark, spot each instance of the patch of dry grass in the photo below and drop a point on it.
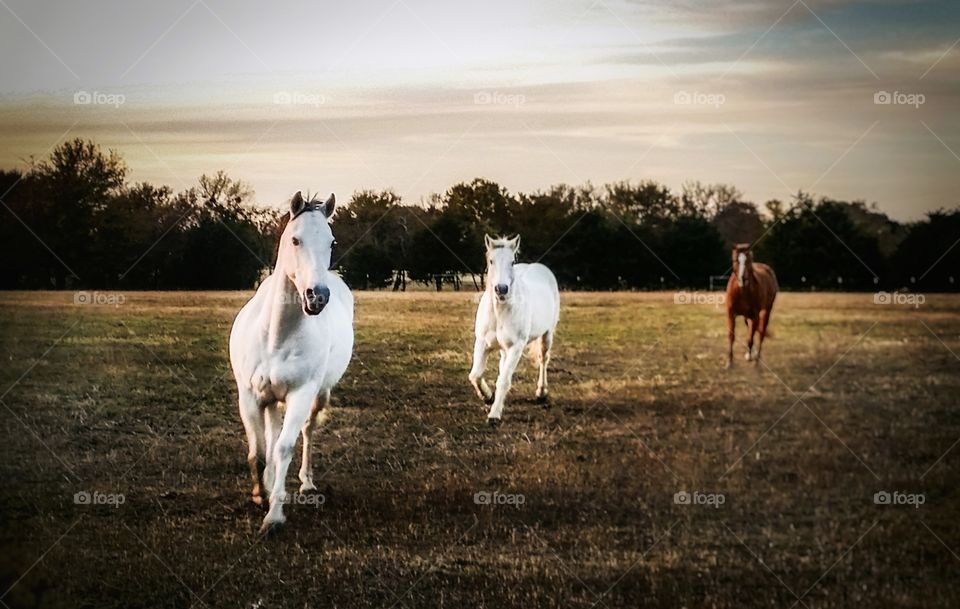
(854, 398)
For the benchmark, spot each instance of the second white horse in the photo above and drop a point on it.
(520, 306)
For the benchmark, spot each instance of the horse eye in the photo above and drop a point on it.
(333, 243)
(296, 241)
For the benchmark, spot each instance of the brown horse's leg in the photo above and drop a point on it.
(731, 333)
(752, 329)
(764, 320)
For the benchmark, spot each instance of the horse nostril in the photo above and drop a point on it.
(323, 295)
(309, 293)
(500, 289)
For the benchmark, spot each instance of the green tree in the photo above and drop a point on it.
(373, 239)
(647, 202)
(738, 222)
(74, 186)
(816, 244)
(929, 257)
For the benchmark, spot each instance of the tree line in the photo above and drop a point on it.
(74, 220)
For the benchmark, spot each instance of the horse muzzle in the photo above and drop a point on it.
(315, 299)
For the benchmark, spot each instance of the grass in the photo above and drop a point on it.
(137, 399)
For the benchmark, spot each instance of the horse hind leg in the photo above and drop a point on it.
(252, 416)
(546, 344)
(318, 415)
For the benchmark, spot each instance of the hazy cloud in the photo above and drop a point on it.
(415, 95)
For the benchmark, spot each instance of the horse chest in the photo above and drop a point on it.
(742, 302)
(281, 370)
(743, 308)
(510, 330)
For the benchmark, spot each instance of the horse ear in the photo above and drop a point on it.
(328, 206)
(515, 243)
(487, 241)
(296, 204)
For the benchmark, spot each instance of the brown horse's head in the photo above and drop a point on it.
(743, 264)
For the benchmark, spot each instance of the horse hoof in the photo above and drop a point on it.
(257, 500)
(543, 399)
(271, 529)
(490, 400)
(308, 488)
(729, 365)
(493, 423)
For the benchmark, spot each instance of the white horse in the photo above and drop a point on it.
(520, 305)
(290, 344)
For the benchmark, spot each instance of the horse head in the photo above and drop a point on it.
(305, 250)
(743, 264)
(501, 255)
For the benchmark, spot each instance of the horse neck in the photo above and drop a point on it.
(284, 311)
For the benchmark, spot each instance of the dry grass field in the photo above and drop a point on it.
(134, 405)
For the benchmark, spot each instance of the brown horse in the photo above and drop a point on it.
(750, 292)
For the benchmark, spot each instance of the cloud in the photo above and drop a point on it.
(577, 90)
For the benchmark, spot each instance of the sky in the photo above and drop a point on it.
(855, 100)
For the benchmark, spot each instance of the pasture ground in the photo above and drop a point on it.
(137, 399)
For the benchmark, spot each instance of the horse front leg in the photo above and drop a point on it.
(509, 358)
(252, 416)
(752, 329)
(273, 420)
(731, 334)
(480, 351)
(299, 403)
(317, 410)
(763, 322)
